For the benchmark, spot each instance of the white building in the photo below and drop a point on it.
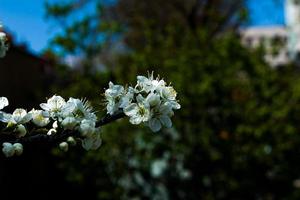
(282, 43)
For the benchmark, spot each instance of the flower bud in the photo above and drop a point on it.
(71, 141)
(8, 149)
(69, 123)
(64, 146)
(18, 148)
(21, 130)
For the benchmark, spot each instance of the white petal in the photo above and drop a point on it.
(68, 108)
(19, 114)
(110, 84)
(69, 123)
(6, 117)
(153, 99)
(55, 125)
(165, 109)
(45, 106)
(154, 124)
(87, 127)
(166, 121)
(54, 104)
(114, 90)
(38, 117)
(97, 142)
(110, 108)
(168, 93)
(131, 110)
(140, 99)
(26, 118)
(146, 116)
(3, 102)
(135, 119)
(87, 143)
(51, 131)
(142, 79)
(126, 100)
(175, 105)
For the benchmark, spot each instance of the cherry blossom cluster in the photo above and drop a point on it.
(3, 43)
(54, 117)
(151, 102)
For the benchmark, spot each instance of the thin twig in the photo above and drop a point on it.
(58, 137)
(110, 118)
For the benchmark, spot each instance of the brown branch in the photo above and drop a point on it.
(58, 137)
(110, 118)
(55, 138)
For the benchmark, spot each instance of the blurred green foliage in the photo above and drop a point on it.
(237, 134)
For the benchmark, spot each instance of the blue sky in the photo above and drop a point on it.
(266, 12)
(26, 19)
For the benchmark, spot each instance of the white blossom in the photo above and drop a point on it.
(114, 90)
(150, 101)
(113, 96)
(39, 117)
(79, 109)
(138, 112)
(3, 104)
(19, 116)
(117, 97)
(153, 99)
(149, 84)
(168, 93)
(127, 98)
(53, 105)
(160, 116)
(144, 83)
